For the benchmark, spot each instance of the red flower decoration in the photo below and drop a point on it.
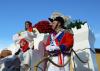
(43, 26)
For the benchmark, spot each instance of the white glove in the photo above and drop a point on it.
(52, 48)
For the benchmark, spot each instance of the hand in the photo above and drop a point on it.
(52, 48)
(18, 52)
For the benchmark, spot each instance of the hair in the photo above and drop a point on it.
(61, 20)
(62, 26)
(30, 23)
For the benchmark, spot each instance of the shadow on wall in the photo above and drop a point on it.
(79, 66)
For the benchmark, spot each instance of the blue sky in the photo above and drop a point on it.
(13, 14)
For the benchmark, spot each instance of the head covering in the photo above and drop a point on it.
(26, 45)
(59, 17)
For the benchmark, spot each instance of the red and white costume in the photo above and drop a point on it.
(55, 44)
(25, 53)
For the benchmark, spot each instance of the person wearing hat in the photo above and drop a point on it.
(58, 44)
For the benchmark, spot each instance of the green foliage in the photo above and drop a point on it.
(76, 23)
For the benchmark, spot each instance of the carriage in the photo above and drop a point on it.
(82, 58)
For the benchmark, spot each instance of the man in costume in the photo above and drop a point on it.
(58, 44)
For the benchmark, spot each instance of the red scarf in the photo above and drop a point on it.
(30, 29)
(25, 47)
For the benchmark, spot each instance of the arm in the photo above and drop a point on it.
(66, 42)
(18, 52)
